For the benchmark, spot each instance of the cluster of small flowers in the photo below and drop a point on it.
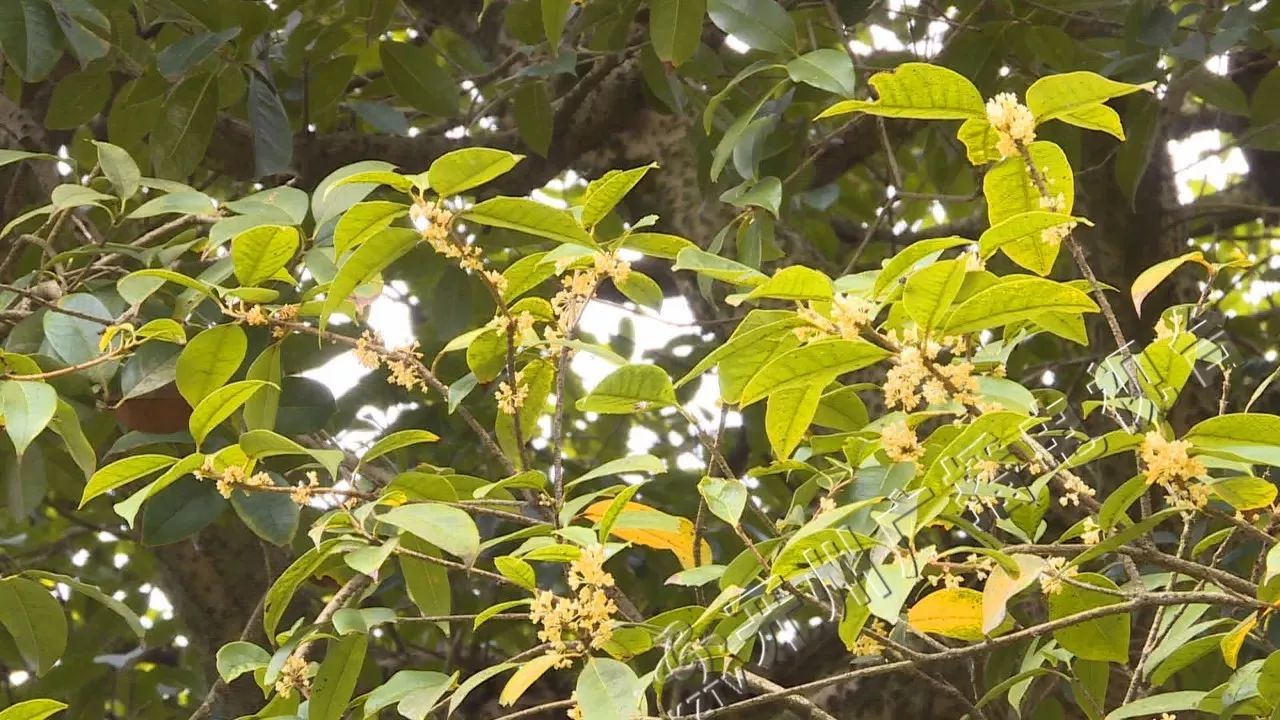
(402, 371)
(521, 324)
(982, 565)
(233, 476)
(867, 646)
(1073, 487)
(1091, 532)
(568, 304)
(1168, 464)
(575, 712)
(1057, 233)
(1014, 124)
(588, 617)
(949, 579)
(370, 350)
(978, 504)
(365, 351)
(850, 314)
(257, 315)
(826, 504)
(900, 443)
(293, 674)
(613, 266)
(916, 375)
(302, 494)
(1051, 578)
(510, 400)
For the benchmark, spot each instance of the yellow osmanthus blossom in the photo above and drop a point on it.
(365, 353)
(302, 494)
(850, 314)
(233, 476)
(402, 369)
(575, 712)
(496, 279)
(900, 443)
(1051, 578)
(1014, 124)
(255, 316)
(917, 372)
(1091, 532)
(510, 400)
(1073, 487)
(1057, 233)
(826, 504)
(586, 617)
(613, 266)
(982, 565)
(1168, 464)
(522, 323)
(293, 674)
(865, 645)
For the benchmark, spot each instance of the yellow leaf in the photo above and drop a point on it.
(1156, 274)
(678, 539)
(950, 612)
(1234, 640)
(527, 675)
(1000, 587)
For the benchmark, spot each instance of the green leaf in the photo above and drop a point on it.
(930, 291)
(363, 221)
(1021, 237)
(1013, 300)
(282, 590)
(335, 682)
(258, 254)
(487, 355)
(1244, 492)
(517, 571)
(33, 710)
(261, 410)
(396, 441)
(788, 415)
(726, 497)
(237, 658)
(629, 389)
(1067, 95)
(27, 407)
(367, 261)
(816, 363)
(448, 528)
(96, 594)
(182, 133)
(1010, 190)
(123, 472)
(410, 688)
(641, 289)
(609, 690)
(1105, 638)
(826, 69)
(209, 360)
(795, 282)
(29, 38)
(426, 582)
(218, 405)
(604, 193)
(77, 99)
(271, 516)
(718, 268)
(13, 156)
(67, 424)
(75, 340)
(529, 216)
(631, 464)
(418, 78)
(179, 57)
(762, 24)
(35, 621)
(534, 116)
(554, 15)
(1253, 437)
(186, 202)
(900, 264)
(474, 682)
(675, 28)
(460, 170)
(272, 133)
(1156, 705)
(332, 196)
(917, 90)
(361, 620)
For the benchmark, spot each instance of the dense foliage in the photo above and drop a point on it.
(313, 409)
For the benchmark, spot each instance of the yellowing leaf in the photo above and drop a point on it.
(639, 530)
(1234, 640)
(1067, 94)
(1001, 586)
(1148, 279)
(527, 675)
(950, 612)
(917, 90)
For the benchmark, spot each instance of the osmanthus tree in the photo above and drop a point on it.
(950, 538)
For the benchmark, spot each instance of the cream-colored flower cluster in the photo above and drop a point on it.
(1057, 233)
(371, 352)
(510, 399)
(293, 675)
(1168, 464)
(303, 492)
(850, 315)
(867, 646)
(918, 376)
(1073, 488)
(233, 476)
(1053, 576)
(900, 443)
(1091, 532)
(587, 617)
(1014, 124)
